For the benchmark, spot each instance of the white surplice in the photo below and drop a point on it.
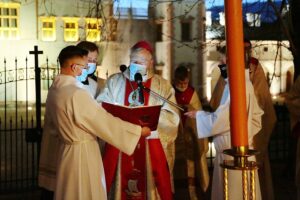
(70, 161)
(268, 120)
(217, 124)
(94, 87)
(114, 92)
(261, 139)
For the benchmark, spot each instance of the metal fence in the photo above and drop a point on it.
(19, 131)
(281, 146)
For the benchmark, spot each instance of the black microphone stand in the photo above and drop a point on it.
(162, 98)
(138, 79)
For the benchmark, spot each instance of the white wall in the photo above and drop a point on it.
(112, 54)
(276, 61)
(183, 52)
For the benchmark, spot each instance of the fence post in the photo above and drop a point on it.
(38, 103)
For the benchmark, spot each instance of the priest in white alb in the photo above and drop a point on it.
(217, 125)
(70, 160)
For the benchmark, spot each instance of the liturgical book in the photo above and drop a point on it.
(140, 115)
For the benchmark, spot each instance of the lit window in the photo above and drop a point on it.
(9, 20)
(93, 29)
(208, 18)
(48, 28)
(138, 9)
(253, 19)
(222, 18)
(71, 29)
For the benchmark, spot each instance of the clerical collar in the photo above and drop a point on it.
(86, 82)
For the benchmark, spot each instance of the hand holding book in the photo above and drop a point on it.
(145, 131)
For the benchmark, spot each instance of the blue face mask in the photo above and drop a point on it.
(137, 68)
(92, 68)
(83, 75)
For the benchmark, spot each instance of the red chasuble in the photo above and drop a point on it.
(133, 168)
(184, 98)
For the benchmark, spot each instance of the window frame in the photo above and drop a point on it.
(186, 21)
(75, 30)
(90, 32)
(52, 30)
(159, 35)
(13, 33)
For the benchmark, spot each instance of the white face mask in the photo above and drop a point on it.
(181, 89)
(92, 68)
(137, 68)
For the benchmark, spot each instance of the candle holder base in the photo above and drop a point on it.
(240, 162)
(240, 159)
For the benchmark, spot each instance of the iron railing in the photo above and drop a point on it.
(19, 137)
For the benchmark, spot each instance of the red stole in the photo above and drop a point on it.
(253, 61)
(133, 168)
(184, 98)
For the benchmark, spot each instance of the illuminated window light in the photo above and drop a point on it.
(253, 19)
(71, 29)
(93, 29)
(211, 150)
(208, 87)
(9, 21)
(48, 28)
(222, 18)
(208, 18)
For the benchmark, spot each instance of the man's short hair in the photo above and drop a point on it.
(89, 46)
(71, 52)
(181, 73)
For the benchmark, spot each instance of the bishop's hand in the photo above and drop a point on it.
(191, 114)
(145, 131)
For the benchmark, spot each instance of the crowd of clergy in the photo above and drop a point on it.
(89, 154)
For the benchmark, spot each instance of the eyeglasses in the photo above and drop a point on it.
(81, 66)
(90, 60)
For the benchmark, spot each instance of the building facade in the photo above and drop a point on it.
(177, 31)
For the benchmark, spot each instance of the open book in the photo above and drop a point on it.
(140, 115)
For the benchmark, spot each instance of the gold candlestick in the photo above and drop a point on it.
(240, 162)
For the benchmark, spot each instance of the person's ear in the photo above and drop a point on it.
(73, 67)
(151, 62)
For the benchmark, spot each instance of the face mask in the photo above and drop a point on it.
(92, 68)
(83, 75)
(181, 89)
(137, 68)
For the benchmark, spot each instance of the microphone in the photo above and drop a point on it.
(139, 80)
(123, 68)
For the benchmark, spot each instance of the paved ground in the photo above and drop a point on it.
(284, 183)
(283, 179)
